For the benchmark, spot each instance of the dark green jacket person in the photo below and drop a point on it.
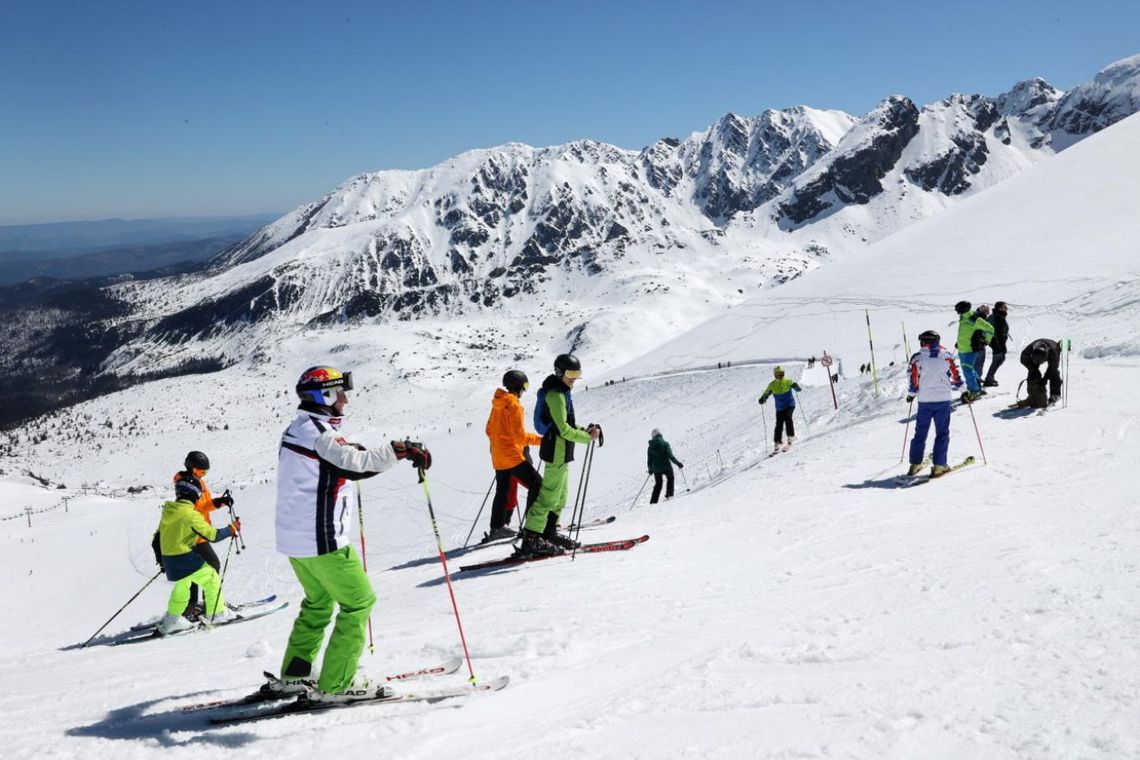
(660, 454)
(658, 459)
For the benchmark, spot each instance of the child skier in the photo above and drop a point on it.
(934, 377)
(178, 532)
(782, 389)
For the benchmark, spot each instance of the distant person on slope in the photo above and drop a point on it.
(510, 453)
(197, 466)
(933, 378)
(660, 464)
(555, 421)
(314, 529)
(998, 342)
(782, 389)
(179, 530)
(1047, 352)
(974, 332)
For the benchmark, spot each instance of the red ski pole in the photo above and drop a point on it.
(970, 404)
(446, 574)
(364, 560)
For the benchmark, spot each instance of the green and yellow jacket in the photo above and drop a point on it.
(179, 529)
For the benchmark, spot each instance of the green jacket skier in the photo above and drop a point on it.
(555, 413)
(974, 333)
(178, 531)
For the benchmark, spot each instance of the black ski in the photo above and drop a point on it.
(604, 546)
(305, 705)
(268, 694)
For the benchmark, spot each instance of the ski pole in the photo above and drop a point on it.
(764, 417)
(588, 468)
(233, 519)
(685, 479)
(807, 427)
(643, 485)
(480, 514)
(906, 431)
(574, 517)
(136, 596)
(364, 560)
(222, 578)
(446, 574)
(1068, 374)
(976, 431)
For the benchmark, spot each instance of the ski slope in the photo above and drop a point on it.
(800, 606)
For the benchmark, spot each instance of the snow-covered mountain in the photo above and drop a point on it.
(747, 203)
(585, 245)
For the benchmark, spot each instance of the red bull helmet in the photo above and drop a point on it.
(319, 385)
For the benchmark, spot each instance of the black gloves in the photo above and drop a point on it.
(415, 453)
(909, 397)
(763, 398)
(225, 500)
(680, 466)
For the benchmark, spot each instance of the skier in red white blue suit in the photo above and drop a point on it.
(934, 377)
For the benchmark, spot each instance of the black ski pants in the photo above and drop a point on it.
(997, 361)
(206, 551)
(784, 421)
(657, 477)
(504, 481)
(1052, 374)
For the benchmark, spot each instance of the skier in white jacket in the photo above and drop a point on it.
(934, 376)
(314, 529)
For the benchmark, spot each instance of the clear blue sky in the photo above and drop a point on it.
(144, 109)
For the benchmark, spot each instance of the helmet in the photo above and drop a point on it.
(196, 460)
(186, 486)
(320, 384)
(962, 307)
(515, 381)
(778, 371)
(567, 366)
(929, 338)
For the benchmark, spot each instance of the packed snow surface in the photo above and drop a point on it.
(799, 606)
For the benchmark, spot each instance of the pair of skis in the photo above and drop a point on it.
(303, 704)
(603, 546)
(909, 481)
(244, 613)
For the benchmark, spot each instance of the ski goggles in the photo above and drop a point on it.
(572, 374)
(326, 378)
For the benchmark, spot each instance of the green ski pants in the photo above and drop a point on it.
(207, 579)
(551, 498)
(331, 579)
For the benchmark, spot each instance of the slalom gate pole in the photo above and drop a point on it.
(480, 514)
(364, 560)
(589, 467)
(1068, 352)
(906, 341)
(136, 596)
(871, 343)
(906, 431)
(764, 417)
(977, 432)
(643, 485)
(446, 574)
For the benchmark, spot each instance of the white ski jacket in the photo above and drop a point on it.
(934, 375)
(314, 509)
